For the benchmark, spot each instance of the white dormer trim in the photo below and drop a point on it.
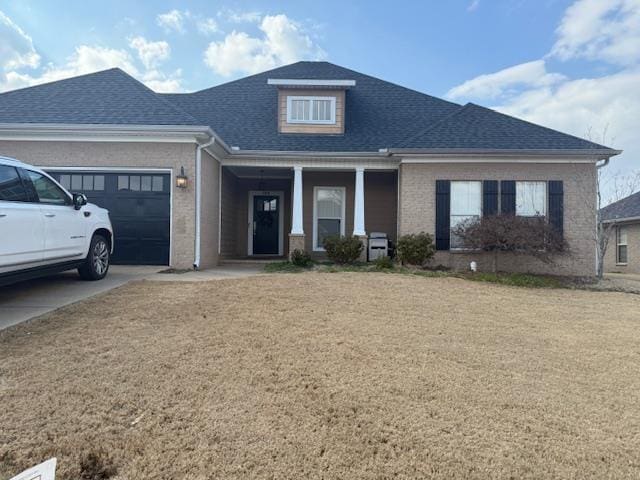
(311, 82)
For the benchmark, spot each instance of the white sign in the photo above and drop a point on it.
(44, 471)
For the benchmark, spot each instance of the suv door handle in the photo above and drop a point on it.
(2, 215)
(49, 215)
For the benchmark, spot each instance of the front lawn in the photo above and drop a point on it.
(356, 375)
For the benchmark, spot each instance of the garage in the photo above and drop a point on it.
(139, 205)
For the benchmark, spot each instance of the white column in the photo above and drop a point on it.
(296, 222)
(358, 210)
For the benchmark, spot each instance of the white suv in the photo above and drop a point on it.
(44, 229)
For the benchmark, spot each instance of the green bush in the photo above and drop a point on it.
(301, 258)
(383, 263)
(415, 249)
(343, 250)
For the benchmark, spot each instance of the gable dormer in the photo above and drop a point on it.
(311, 105)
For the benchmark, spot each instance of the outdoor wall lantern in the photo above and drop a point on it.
(181, 180)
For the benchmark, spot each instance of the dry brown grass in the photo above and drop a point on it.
(327, 376)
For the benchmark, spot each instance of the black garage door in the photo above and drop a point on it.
(139, 207)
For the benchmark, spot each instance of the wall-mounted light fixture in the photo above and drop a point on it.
(181, 180)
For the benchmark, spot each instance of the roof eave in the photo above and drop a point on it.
(484, 152)
(200, 133)
(622, 220)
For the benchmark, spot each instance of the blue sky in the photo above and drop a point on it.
(572, 65)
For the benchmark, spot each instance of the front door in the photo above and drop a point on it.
(266, 221)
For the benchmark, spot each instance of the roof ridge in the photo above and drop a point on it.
(61, 80)
(158, 96)
(334, 65)
(434, 125)
(538, 125)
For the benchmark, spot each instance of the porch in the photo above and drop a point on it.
(266, 212)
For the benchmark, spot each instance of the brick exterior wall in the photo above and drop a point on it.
(633, 251)
(417, 211)
(209, 210)
(132, 155)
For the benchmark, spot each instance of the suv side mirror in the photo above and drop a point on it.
(79, 199)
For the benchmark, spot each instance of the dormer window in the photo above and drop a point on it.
(311, 110)
(311, 106)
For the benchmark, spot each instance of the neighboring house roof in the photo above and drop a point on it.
(628, 207)
(106, 97)
(378, 115)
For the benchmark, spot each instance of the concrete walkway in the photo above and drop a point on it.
(217, 273)
(21, 301)
(25, 300)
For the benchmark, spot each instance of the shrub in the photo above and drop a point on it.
(415, 249)
(532, 236)
(301, 258)
(343, 249)
(383, 263)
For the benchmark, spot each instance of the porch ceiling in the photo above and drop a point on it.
(261, 172)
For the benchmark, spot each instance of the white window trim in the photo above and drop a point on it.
(316, 247)
(618, 245)
(464, 249)
(332, 101)
(546, 198)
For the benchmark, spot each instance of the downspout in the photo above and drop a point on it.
(199, 148)
(598, 232)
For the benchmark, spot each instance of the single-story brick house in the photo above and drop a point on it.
(623, 251)
(276, 161)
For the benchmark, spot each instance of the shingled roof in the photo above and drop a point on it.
(628, 207)
(106, 97)
(378, 115)
(473, 126)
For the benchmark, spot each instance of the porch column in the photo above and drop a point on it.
(296, 237)
(358, 212)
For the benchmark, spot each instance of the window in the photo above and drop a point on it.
(48, 192)
(76, 182)
(531, 199)
(621, 245)
(11, 187)
(141, 183)
(466, 207)
(328, 214)
(311, 110)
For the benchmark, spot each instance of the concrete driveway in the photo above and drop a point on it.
(25, 300)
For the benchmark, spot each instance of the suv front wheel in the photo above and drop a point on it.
(96, 265)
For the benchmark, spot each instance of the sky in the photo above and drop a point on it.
(573, 65)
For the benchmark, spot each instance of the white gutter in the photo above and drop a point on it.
(199, 148)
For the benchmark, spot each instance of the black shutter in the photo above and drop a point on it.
(443, 205)
(508, 196)
(556, 204)
(489, 197)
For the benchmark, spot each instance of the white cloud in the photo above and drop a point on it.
(283, 42)
(173, 20)
(207, 26)
(234, 16)
(16, 47)
(473, 6)
(163, 83)
(150, 53)
(493, 85)
(607, 30)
